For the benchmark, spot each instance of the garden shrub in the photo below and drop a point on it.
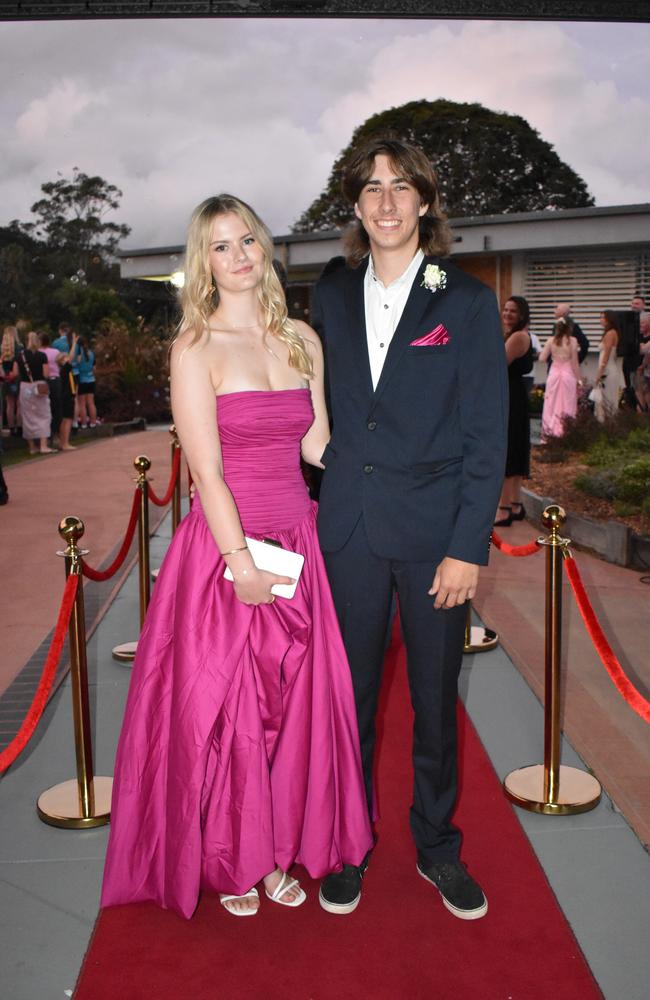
(608, 452)
(132, 373)
(625, 509)
(579, 431)
(633, 482)
(598, 484)
(620, 457)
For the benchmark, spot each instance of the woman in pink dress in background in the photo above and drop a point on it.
(561, 392)
(239, 750)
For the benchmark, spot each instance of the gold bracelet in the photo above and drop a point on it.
(231, 552)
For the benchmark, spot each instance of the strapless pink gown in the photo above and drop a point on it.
(239, 748)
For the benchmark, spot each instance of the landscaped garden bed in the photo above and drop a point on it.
(598, 471)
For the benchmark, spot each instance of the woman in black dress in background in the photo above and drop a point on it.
(515, 318)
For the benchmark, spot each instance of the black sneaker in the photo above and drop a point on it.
(340, 892)
(460, 893)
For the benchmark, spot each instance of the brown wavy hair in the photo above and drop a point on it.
(563, 330)
(410, 162)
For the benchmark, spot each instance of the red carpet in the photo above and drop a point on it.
(400, 943)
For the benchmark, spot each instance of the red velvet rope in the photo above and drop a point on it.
(39, 701)
(176, 466)
(106, 574)
(515, 550)
(625, 687)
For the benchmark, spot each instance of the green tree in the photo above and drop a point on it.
(23, 273)
(488, 163)
(72, 217)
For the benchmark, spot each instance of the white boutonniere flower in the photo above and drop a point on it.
(434, 278)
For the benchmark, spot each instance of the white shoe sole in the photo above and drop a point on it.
(476, 914)
(339, 908)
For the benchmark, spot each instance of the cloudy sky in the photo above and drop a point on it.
(175, 110)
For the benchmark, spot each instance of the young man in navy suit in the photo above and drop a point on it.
(417, 388)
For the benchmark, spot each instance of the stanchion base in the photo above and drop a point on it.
(481, 639)
(125, 652)
(154, 574)
(61, 806)
(578, 792)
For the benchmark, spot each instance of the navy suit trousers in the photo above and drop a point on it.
(363, 586)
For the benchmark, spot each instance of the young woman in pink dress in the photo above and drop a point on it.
(239, 751)
(561, 392)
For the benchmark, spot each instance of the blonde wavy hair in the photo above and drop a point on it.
(8, 349)
(199, 296)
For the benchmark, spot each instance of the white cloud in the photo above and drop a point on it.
(171, 111)
(533, 70)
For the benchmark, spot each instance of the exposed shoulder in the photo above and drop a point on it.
(520, 341)
(305, 331)
(187, 350)
(308, 334)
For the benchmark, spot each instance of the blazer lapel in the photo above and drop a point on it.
(356, 313)
(419, 300)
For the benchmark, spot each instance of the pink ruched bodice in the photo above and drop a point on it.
(260, 444)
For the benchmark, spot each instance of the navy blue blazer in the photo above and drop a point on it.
(422, 457)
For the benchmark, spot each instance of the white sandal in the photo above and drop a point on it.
(284, 886)
(224, 900)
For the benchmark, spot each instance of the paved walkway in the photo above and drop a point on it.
(607, 734)
(596, 866)
(95, 483)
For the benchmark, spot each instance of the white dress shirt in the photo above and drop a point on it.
(384, 307)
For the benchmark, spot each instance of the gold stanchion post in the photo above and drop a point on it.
(552, 787)
(85, 801)
(176, 495)
(478, 638)
(126, 651)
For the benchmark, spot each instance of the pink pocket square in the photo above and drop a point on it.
(434, 338)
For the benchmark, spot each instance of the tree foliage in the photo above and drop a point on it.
(72, 216)
(62, 266)
(488, 163)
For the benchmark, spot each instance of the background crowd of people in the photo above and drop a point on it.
(46, 387)
(622, 378)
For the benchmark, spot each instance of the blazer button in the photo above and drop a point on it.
(372, 424)
(368, 468)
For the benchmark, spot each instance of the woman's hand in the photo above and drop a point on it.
(253, 586)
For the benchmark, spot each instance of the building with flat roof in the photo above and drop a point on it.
(594, 258)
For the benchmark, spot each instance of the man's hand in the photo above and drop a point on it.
(454, 583)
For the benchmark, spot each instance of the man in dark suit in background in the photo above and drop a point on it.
(417, 387)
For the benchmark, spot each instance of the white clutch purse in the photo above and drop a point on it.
(271, 557)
